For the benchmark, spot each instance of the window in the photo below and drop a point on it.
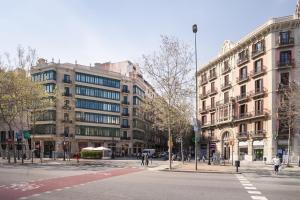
(243, 128)
(66, 131)
(125, 122)
(203, 105)
(97, 118)
(243, 110)
(66, 103)
(44, 76)
(212, 86)
(226, 97)
(97, 131)
(125, 111)
(137, 100)
(203, 78)
(67, 78)
(226, 80)
(243, 90)
(258, 126)
(66, 116)
(258, 106)
(243, 73)
(285, 57)
(66, 91)
(203, 119)
(96, 92)
(258, 66)
(212, 73)
(284, 78)
(243, 55)
(203, 90)
(212, 118)
(97, 80)
(258, 85)
(137, 90)
(212, 102)
(284, 37)
(258, 47)
(49, 87)
(97, 105)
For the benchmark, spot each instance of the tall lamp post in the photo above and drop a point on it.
(195, 29)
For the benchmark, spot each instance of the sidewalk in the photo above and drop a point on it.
(256, 168)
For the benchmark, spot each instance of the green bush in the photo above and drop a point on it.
(91, 154)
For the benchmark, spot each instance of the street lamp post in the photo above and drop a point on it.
(195, 29)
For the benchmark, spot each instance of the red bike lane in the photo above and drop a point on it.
(16, 191)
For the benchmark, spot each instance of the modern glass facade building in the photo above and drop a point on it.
(95, 106)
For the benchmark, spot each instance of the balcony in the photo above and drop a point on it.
(67, 107)
(242, 79)
(243, 135)
(212, 108)
(66, 94)
(285, 64)
(261, 113)
(243, 116)
(125, 102)
(225, 70)
(203, 81)
(258, 52)
(125, 90)
(259, 92)
(203, 110)
(212, 76)
(125, 126)
(67, 81)
(66, 121)
(225, 86)
(125, 138)
(125, 114)
(212, 92)
(243, 97)
(258, 134)
(285, 43)
(203, 95)
(242, 60)
(283, 87)
(255, 74)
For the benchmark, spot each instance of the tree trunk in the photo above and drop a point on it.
(181, 147)
(170, 147)
(289, 147)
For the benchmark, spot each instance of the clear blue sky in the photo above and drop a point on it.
(113, 30)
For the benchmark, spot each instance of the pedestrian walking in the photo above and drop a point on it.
(276, 162)
(189, 157)
(142, 163)
(147, 160)
(203, 158)
(151, 158)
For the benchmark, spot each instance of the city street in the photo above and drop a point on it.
(128, 180)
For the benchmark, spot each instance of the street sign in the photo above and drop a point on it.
(26, 134)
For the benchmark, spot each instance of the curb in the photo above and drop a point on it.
(200, 172)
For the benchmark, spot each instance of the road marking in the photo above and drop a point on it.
(242, 182)
(59, 189)
(36, 195)
(254, 192)
(67, 188)
(48, 192)
(259, 198)
(250, 188)
(2, 186)
(23, 198)
(247, 184)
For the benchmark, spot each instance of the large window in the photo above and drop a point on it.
(226, 97)
(97, 80)
(258, 85)
(97, 118)
(97, 105)
(49, 115)
(243, 91)
(45, 129)
(138, 135)
(137, 100)
(96, 92)
(258, 106)
(137, 90)
(243, 73)
(258, 66)
(284, 37)
(243, 128)
(284, 78)
(97, 131)
(49, 87)
(44, 76)
(285, 57)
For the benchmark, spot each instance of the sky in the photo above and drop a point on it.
(92, 31)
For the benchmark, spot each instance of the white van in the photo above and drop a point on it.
(150, 152)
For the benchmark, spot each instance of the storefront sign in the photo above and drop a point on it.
(243, 144)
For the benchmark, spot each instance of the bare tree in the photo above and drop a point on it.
(289, 111)
(169, 71)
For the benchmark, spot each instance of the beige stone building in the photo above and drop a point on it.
(239, 93)
(96, 106)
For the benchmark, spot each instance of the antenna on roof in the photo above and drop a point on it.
(75, 62)
(59, 61)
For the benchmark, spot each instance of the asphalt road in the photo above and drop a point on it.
(115, 180)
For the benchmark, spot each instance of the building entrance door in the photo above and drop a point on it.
(258, 153)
